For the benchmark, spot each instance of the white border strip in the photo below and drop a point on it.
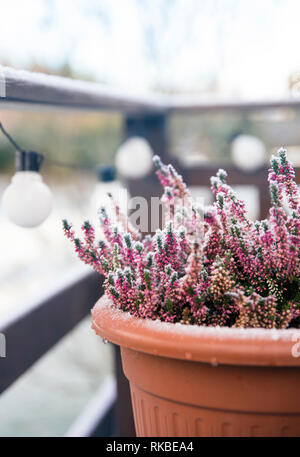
(2, 84)
(2, 345)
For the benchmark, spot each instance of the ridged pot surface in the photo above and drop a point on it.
(192, 381)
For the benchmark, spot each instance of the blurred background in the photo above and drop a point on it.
(203, 49)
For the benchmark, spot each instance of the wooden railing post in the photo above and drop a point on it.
(152, 127)
(124, 422)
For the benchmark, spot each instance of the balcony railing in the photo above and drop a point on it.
(32, 332)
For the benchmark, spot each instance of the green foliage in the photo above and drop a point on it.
(169, 305)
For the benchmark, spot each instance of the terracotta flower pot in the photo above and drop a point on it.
(195, 381)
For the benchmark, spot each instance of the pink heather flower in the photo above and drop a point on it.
(208, 266)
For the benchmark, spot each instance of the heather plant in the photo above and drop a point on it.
(208, 266)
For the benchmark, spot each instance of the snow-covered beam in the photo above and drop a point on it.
(30, 89)
(18, 86)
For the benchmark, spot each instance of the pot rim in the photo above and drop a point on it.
(215, 345)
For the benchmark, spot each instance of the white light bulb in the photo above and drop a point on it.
(134, 158)
(27, 201)
(248, 152)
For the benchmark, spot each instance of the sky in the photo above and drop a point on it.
(242, 49)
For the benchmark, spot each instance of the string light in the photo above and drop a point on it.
(248, 153)
(134, 158)
(27, 201)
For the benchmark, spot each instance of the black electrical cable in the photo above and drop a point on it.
(10, 139)
(56, 163)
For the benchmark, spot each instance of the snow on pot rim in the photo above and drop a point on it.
(215, 345)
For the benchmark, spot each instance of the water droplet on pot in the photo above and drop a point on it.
(188, 355)
(214, 362)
